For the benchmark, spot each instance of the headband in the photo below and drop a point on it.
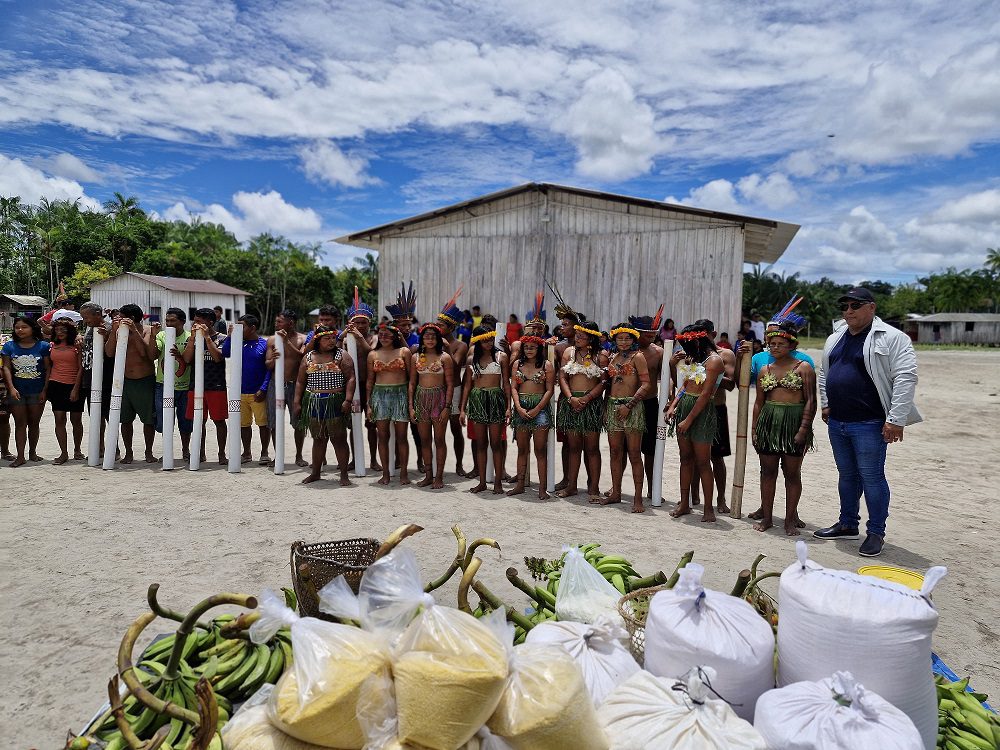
(622, 329)
(587, 330)
(435, 326)
(483, 337)
(691, 336)
(537, 340)
(389, 327)
(332, 332)
(782, 334)
(442, 316)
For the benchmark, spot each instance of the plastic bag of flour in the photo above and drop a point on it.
(584, 594)
(879, 631)
(690, 626)
(653, 713)
(316, 700)
(600, 650)
(833, 714)
(251, 729)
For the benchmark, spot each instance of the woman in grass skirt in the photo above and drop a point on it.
(324, 393)
(692, 416)
(533, 383)
(581, 415)
(430, 393)
(388, 389)
(486, 403)
(625, 418)
(782, 424)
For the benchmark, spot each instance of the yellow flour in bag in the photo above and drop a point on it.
(545, 705)
(252, 730)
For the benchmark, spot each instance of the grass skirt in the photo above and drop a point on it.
(389, 402)
(589, 419)
(703, 429)
(528, 402)
(429, 403)
(634, 422)
(486, 406)
(321, 415)
(776, 428)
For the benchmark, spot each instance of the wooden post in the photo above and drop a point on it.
(96, 421)
(279, 406)
(117, 386)
(358, 431)
(198, 408)
(742, 422)
(234, 389)
(169, 409)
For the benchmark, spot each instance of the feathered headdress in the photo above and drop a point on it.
(451, 313)
(536, 315)
(562, 309)
(406, 303)
(788, 319)
(61, 296)
(646, 323)
(359, 309)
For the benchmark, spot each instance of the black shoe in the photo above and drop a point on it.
(872, 546)
(837, 531)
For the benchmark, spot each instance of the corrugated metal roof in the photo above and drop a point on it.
(959, 318)
(176, 284)
(28, 300)
(766, 239)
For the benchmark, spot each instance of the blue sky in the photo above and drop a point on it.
(313, 119)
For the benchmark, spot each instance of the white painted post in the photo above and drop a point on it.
(279, 406)
(96, 401)
(117, 386)
(656, 491)
(358, 433)
(233, 392)
(490, 473)
(169, 379)
(550, 448)
(199, 401)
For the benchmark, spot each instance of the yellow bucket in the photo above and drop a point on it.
(909, 578)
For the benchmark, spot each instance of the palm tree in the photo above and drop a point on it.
(368, 266)
(993, 259)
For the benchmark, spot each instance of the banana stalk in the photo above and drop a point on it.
(395, 538)
(187, 624)
(463, 587)
(685, 559)
(475, 545)
(456, 564)
(208, 713)
(536, 599)
(168, 614)
(741, 583)
(118, 711)
(657, 579)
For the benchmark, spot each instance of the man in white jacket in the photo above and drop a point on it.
(866, 387)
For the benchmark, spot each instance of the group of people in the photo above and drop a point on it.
(493, 392)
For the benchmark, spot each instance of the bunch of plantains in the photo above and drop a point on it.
(964, 723)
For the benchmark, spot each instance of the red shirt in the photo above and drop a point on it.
(514, 331)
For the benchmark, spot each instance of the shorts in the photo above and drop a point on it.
(215, 403)
(529, 401)
(252, 411)
(272, 409)
(58, 395)
(720, 446)
(27, 399)
(183, 422)
(138, 400)
(651, 408)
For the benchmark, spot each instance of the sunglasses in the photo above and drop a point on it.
(852, 305)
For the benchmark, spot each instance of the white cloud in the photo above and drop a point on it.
(31, 185)
(981, 207)
(748, 193)
(323, 161)
(773, 191)
(70, 167)
(254, 213)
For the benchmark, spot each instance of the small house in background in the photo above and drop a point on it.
(155, 294)
(982, 329)
(12, 305)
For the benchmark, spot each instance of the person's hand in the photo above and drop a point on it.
(155, 327)
(348, 407)
(461, 417)
(668, 412)
(825, 416)
(282, 333)
(42, 396)
(413, 414)
(272, 355)
(621, 412)
(800, 437)
(368, 413)
(14, 394)
(259, 396)
(892, 433)
(678, 357)
(684, 426)
(503, 345)
(576, 404)
(296, 407)
(195, 327)
(506, 418)
(74, 395)
(229, 330)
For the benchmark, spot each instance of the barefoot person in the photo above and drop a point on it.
(286, 330)
(431, 387)
(624, 418)
(5, 453)
(449, 319)
(157, 345)
(782, 424)
(581, 415)
(324, 392)
(94, 320)
(486, 403)
(388, 375)
(139, 389)
(565, 335)
(64, 388)
(359, 322)
(533, 384)
(649, 329)
(253, 388)
(402, 312)
(692, 416)
(215, 402)
(26, 366)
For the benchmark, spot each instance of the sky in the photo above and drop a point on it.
(874, 125)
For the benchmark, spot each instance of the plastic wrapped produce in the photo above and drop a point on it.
(584, 594)
(251, 729)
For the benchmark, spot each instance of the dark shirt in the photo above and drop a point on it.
(256, 376)
(215, 372)
(221, 327)
(850, 390)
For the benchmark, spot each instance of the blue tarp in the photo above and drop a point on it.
(939, 667)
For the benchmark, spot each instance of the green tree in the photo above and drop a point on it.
(171, 259)
(86, 274)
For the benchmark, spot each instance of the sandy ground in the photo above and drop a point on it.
(80, 546)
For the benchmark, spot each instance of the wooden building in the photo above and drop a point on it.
(12, 305)
(154, 294)
(609, 255)
(958, 328)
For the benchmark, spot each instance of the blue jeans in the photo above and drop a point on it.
(859, 450)
(184, 425)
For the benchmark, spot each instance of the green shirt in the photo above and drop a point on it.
(181, 382)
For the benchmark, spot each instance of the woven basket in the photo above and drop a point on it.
(315, 565)
(633, 607)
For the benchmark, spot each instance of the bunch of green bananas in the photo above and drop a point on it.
(963, 722)
(616, 569)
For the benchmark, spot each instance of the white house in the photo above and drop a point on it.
(154, 294)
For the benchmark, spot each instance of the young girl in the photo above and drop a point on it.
(580, 413)
(699, 374)
(324, 392)
(430, 394)
(486, 403)
(64, 387)
(533, 384)
(26, 371)
(782, 425)
(388, 368)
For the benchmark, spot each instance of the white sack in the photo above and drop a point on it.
(584, 594)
